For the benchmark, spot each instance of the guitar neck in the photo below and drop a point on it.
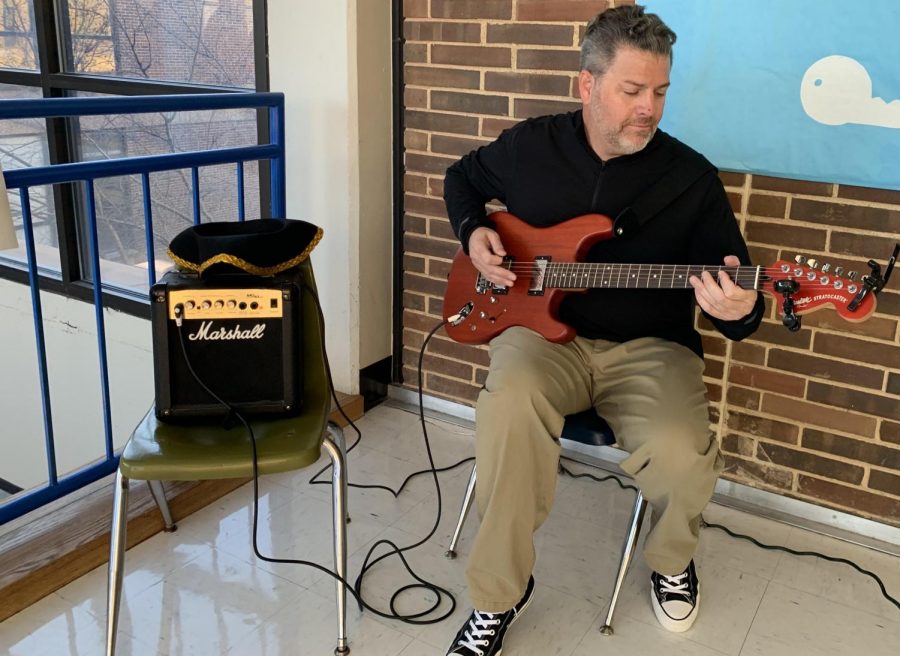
(581, 275)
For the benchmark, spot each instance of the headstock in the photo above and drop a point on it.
(805, 286)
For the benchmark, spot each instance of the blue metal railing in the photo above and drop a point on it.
(85, 173)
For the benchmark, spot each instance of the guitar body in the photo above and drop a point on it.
(491, 312)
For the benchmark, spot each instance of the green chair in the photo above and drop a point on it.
(167, 452)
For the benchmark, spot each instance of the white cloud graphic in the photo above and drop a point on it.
(837, 90)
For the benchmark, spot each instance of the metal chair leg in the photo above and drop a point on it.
(339, 498)
(116, 560)
(337, 434)
(637, 518)
(159, 496)
(463, 513)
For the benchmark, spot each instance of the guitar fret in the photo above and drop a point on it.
(581, 275)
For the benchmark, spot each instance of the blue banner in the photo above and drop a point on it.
(806, 89)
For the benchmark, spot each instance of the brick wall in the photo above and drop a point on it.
(813, 414)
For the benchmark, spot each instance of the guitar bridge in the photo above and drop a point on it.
(538, 276)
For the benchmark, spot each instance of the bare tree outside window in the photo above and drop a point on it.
(203, 42)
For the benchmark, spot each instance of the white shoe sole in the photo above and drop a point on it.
(517, 615)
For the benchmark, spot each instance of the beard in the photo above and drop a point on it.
(619, 140)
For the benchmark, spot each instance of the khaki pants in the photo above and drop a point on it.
(651, 393)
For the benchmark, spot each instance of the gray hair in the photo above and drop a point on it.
(626, 26)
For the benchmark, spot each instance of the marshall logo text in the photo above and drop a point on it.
(206, 333)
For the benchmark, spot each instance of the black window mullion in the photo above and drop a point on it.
(261, 59)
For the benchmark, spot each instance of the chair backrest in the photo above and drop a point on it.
(316, 389)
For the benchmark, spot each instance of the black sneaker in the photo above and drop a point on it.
(676, 599)
(482, 634)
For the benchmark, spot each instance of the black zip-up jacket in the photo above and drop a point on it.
(545, 171)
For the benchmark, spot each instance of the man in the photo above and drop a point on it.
(637, 358)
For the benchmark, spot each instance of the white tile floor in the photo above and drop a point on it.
(200, 590)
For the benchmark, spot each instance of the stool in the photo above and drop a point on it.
(586, 427)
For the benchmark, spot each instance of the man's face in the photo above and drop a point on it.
(623, 107)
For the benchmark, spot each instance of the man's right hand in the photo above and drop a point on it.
(486, 252)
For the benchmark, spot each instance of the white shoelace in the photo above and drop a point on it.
(675, 584)
(478, 630)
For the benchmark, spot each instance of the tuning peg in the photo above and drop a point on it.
(838, 271)
(812, 263)
(826, 268)
(852, 275)
(799, 259)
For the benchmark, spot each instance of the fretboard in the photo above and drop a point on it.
(580, 275)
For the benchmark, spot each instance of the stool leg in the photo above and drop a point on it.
(159, 496)
(116, 560)
(337, 434)
(463, 512)
(637, 517)
(339, 508)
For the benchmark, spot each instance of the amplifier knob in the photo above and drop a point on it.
(206, 305)
(231, 305)
(190, 305)
(220, 304)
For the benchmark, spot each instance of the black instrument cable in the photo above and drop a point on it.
(355, 589)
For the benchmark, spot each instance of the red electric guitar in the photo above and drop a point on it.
(547, 263)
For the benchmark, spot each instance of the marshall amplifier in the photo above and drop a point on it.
(241, 337)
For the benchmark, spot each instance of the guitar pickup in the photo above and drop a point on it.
(501, 290)
(538, 275)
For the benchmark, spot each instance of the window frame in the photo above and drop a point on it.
(55, 82)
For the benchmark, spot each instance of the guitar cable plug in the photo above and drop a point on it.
(456, 319)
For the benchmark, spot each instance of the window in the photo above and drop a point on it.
(55, 48)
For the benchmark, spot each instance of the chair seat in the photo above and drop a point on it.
(587, 427)
(159, 451)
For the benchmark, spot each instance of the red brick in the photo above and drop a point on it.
(862, 246)
(436, 187)
(414, 224)
(854, 499)
(413, 301)
(731, 179)
(413, 140)
(887, 196)
(432, 76)
(847, 447)
(433, 247)
(775, 333)
(415, 53)
(713, 368)
(873, 326)
(438, 268)
(713, 345)
(436, 122)
(818, 415)
(792, 186)
(457, 146)
(415, 184)
(764, 427)
(440, 228)
(471, 9)
(743, 397)
(851, 399)
(766, 205)
(449, 387)
(765, 379)
(451, 349)
(436, 31)
(492, 127)
(437, 364)
(798, 460)
(749, 353)
(436, 306)
(884, 355)
(470, 103)
(415, 98)
(527, 107)
(548, 60)
(413, 263)
(544, 85)
(810, 365)
(423, 205)
(859, 217)
(427, 163)
(415, 8)
(884, 481)
(542, 35)
(560, 10)
(424, 285)
(890, 432)
(783, 235)
(471, 55)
